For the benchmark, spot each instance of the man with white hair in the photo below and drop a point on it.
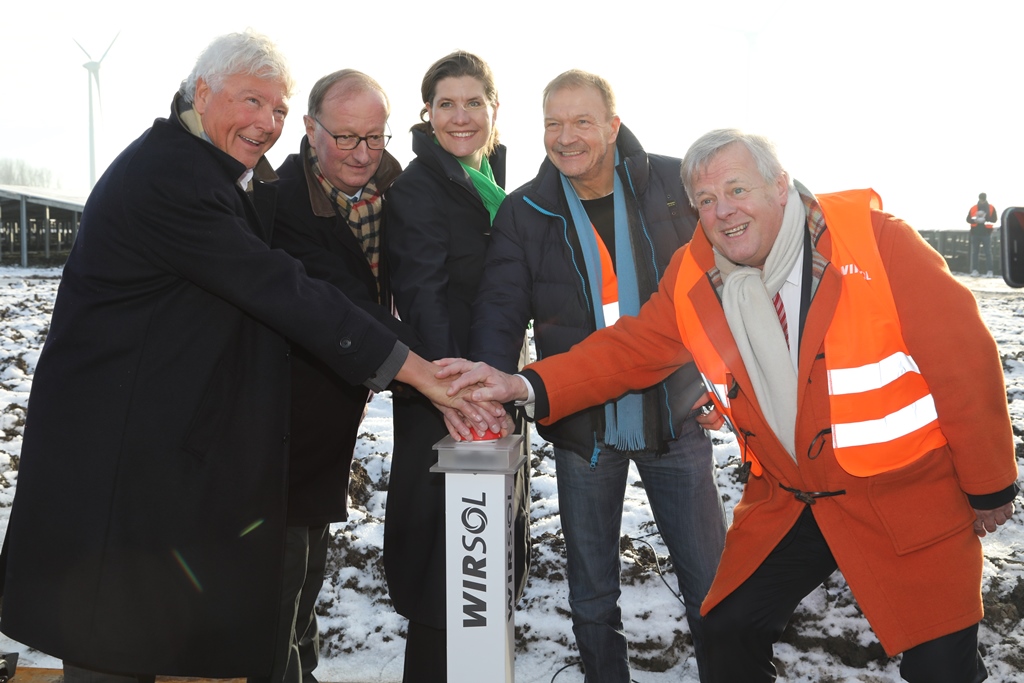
(148, 523)
(830, 335)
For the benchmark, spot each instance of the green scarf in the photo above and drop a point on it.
(483, 181)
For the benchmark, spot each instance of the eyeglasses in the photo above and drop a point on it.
(350, 142)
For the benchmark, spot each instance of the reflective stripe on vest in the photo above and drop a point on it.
(713, 369)
(883, 414)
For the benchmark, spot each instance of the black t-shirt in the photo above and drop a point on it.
(601, 212)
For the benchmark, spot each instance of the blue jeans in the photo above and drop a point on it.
(688, 510)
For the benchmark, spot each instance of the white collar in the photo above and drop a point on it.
(243, 180)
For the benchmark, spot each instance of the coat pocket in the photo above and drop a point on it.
(921, 504)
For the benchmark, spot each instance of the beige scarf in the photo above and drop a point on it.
(747, 300)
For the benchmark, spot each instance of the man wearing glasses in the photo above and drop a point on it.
(584, 241)
(329, 216)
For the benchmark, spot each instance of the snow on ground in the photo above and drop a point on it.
(828, 639)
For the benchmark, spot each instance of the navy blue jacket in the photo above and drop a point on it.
(534, 270)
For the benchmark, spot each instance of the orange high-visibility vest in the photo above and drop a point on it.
(713, 369)
(609, 280)
(992, 209)
(883, 414)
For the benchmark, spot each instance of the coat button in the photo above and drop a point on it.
(345, 343)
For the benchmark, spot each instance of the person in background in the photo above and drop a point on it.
(824, 328)
(982, 218)
(439, 214)
(585, 241)
(330, 217)
(148, 524)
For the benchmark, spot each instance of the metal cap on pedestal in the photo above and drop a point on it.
(492, 455)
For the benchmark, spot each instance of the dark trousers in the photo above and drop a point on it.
(298, 634)
(76, 674)
(740, 631)
(426, 654)
(980, 238)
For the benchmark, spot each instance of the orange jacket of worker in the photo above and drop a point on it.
(904, 539)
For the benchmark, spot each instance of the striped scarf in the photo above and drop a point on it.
(363, 215)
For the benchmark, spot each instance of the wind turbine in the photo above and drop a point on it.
(93, 67)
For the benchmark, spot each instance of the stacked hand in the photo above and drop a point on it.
(465, 418)
(481, 381)
(462, 416)
(476, 388)
(468, 420)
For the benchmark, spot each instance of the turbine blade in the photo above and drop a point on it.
(82, 49)
(110, 46)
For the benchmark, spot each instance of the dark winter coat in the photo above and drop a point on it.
(438, 230)
(535, 270)
(147, 529)
(326, 411)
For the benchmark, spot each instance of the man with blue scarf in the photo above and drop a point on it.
(579, 245)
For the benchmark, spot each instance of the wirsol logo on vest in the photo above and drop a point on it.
(852, 269)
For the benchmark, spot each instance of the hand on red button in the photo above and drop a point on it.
(486, 436)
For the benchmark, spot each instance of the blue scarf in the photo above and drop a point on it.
(624, 418)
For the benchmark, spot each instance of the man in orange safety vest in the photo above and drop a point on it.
(830, 335)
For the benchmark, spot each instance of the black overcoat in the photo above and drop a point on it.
(438, 229)
(146, 534)
(326, 410)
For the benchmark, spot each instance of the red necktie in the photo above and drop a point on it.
(780, 310)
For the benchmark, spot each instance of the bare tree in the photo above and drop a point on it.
(20, 172)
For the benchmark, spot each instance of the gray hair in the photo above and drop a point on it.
(577, 78)
(710, 144)
(247, 53)
(351, 82)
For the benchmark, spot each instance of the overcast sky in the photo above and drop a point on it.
(922, 102)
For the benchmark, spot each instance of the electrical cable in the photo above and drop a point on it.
(657, 567)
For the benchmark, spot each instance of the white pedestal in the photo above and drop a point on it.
(480, 581)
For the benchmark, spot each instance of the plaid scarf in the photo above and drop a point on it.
(363, 215)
